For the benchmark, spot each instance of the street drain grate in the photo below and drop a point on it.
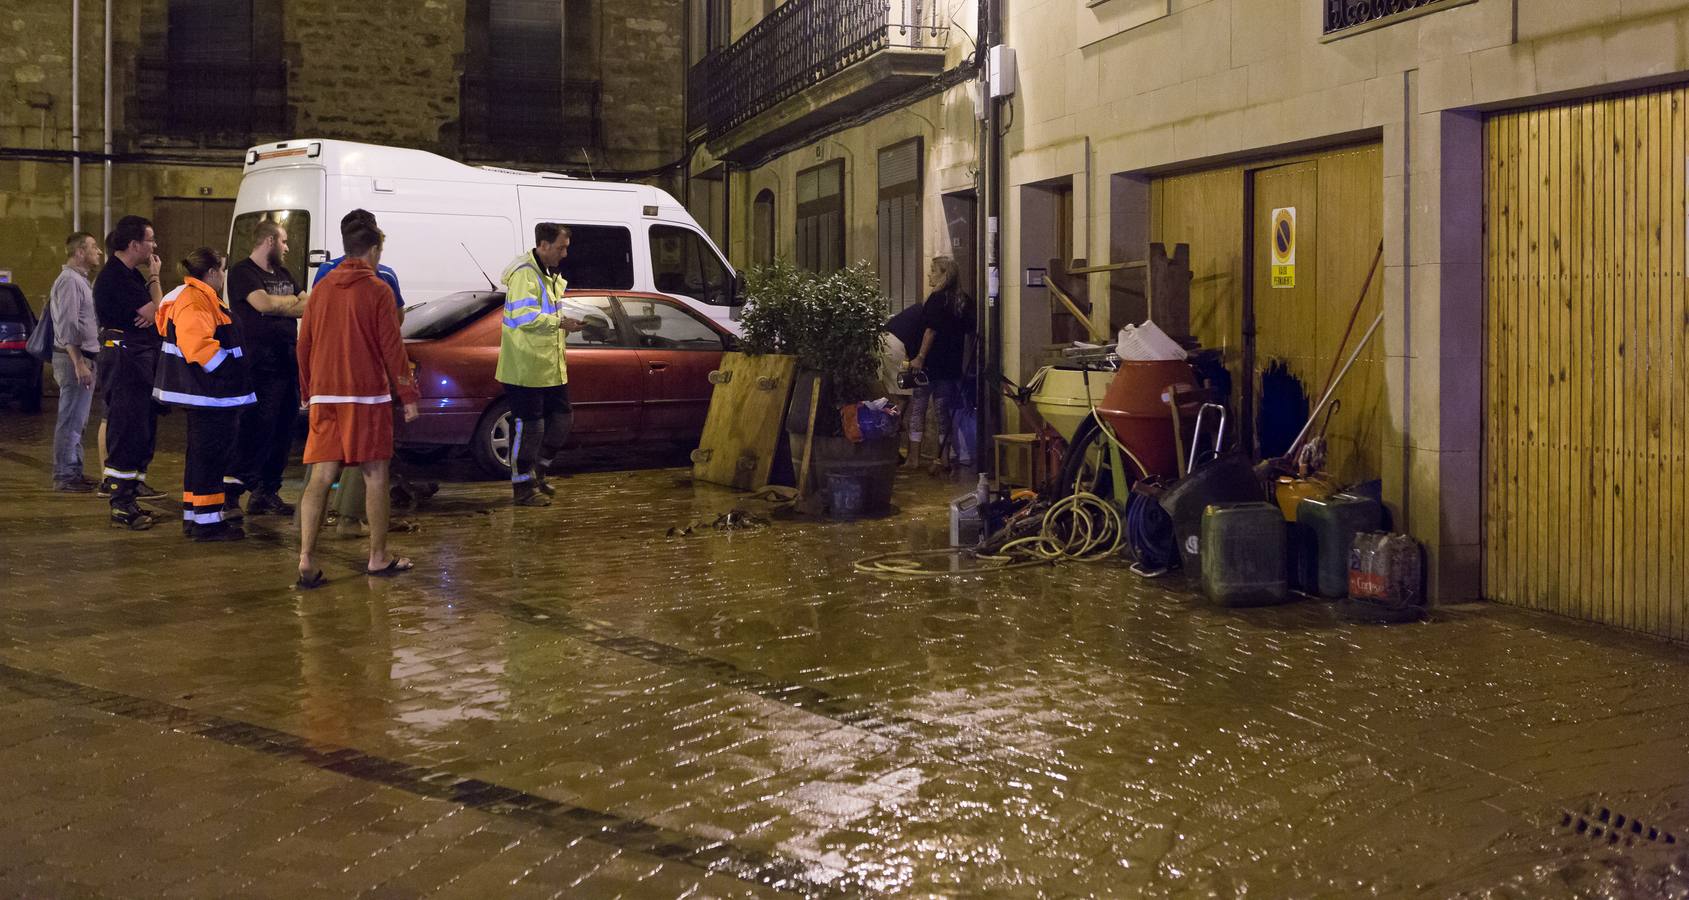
(1603, 825)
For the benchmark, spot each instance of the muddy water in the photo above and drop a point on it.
(736, 712)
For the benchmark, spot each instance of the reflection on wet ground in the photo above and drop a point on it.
(574, 702)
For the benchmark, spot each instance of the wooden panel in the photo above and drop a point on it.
(1205, 210)
(1587, 368)
(1339, 199)
(747, 414)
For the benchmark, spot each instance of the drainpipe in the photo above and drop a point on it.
(75, 115)
(989, 325)
(105, 187)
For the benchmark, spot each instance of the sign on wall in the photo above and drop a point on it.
(1284, 247)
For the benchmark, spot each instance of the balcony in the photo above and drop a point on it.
(811, 62)
(1345, 17)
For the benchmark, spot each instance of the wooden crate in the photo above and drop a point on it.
(747, 414)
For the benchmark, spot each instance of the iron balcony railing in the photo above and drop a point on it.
(1341, 15)
(800, 44)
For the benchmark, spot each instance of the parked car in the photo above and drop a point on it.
(639, 372)
(20, 373)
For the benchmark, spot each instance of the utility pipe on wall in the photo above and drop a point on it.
(75, 115)
(105, 189)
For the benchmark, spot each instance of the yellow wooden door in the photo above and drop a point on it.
(1587, 361)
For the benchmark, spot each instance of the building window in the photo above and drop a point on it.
(218, 73)
(720, 21)
(520, 95)
(900, 224)
(821, 218)
(762, 229)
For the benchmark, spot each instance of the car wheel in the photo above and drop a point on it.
(493, 439)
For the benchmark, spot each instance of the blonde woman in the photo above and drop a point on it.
(947, 320)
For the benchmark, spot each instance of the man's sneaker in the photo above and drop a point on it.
(218, 533)
(268, 504)
(131, 517)
(231, 508)
(108, 484)
(73, 486)
(144, 491)
(527, 494)
(543, 486)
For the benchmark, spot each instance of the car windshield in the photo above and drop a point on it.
(440, 317)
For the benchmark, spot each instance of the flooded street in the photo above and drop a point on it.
(572, 702)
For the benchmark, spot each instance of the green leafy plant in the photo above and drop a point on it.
(831, 323)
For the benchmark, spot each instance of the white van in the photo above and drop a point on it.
(452, 227)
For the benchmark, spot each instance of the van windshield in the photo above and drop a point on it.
(298, 225)
(440, 317)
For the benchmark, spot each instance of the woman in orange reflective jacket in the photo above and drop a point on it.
(201, 369)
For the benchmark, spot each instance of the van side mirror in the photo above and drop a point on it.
(738, 297)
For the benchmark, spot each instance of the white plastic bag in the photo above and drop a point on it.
(1146, 343)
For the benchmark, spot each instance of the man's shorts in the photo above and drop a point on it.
(350, 433)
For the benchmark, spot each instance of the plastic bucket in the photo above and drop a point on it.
(848, 494)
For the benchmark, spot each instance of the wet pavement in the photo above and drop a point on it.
(571, 702)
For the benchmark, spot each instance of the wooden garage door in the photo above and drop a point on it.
(1588, 350)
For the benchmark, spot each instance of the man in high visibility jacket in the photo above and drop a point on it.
(531, 363)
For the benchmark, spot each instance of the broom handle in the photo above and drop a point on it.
(1355, 313)
(1315, 415)
(809, 441)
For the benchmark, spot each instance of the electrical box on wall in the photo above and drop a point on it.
(1000, 71)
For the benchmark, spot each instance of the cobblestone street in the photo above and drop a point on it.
(570, 702)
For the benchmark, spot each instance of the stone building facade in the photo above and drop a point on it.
(408, 74)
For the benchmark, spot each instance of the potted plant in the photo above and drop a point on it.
(831, 323)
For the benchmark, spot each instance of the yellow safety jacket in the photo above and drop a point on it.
(530, 351)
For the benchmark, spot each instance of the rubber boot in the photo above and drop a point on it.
(526, 493)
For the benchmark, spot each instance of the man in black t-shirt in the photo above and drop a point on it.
(265, 301)
(126, 297)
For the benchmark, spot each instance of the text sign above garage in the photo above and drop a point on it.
(1284, 247)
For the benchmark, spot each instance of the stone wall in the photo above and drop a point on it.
(382, 73)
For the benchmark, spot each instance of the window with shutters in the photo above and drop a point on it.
(518, 100)
(899, 260)
(215, 74)
(762, 228)
(820, 226)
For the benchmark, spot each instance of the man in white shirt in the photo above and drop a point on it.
(76, 344)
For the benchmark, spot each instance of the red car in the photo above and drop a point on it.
(638, 372)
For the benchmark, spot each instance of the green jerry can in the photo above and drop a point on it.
(1242, 550)
(1329, 527)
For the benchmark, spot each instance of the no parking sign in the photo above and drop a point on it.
(1284, 247)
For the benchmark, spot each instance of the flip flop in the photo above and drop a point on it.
(397, 566)
(312, 581)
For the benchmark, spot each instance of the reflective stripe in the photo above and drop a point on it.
(176, 351)
(216, 360)
(126, 476)
(366, 399)
(210, 518)
(230, 479)
(520, 320)
(516, 452)
(164, 396)
(514, 305)
(519, 479)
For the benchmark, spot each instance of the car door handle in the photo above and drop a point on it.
(657, 365)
